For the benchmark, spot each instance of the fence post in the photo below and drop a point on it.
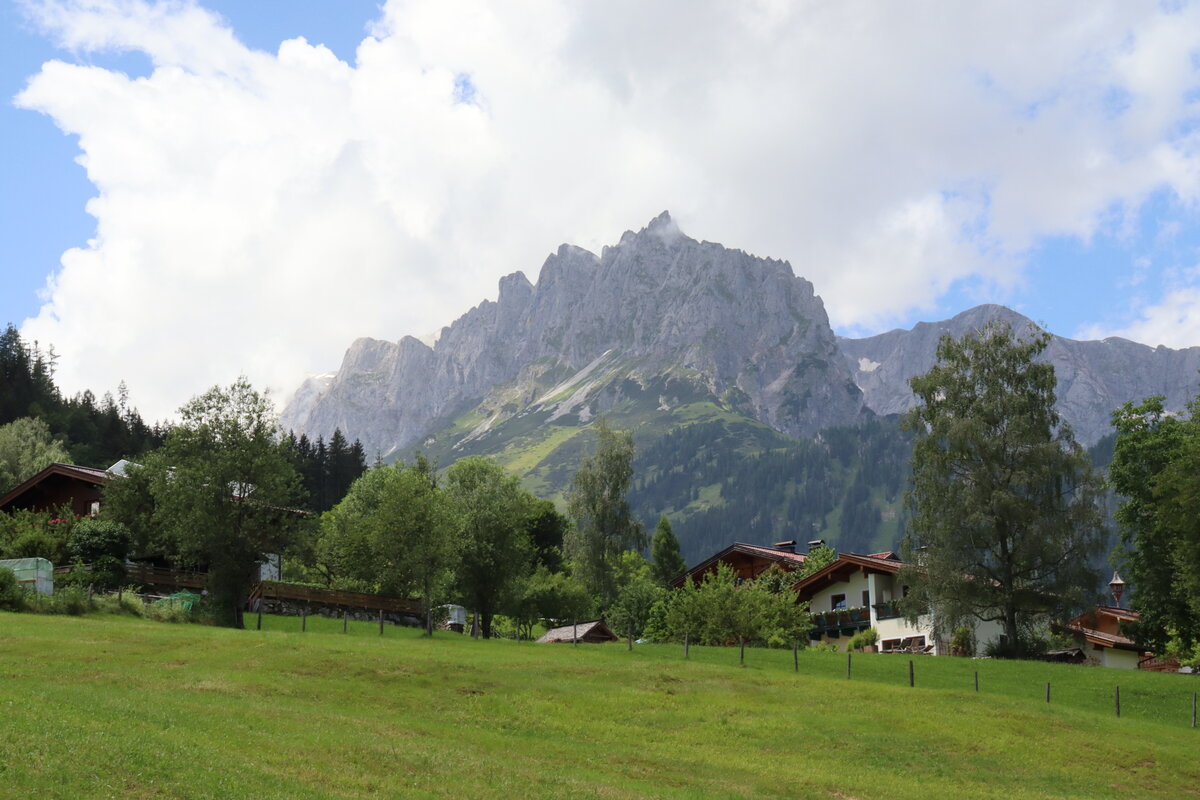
(381, 622)
(1193, 709)
(574, 633)
(796, 656)
(1047, 691)
(1117, 696)
(977, 680)
(910, 673)
(260, 605)
(848, 656)
(345, 618)
(742, 655)
(685, 655)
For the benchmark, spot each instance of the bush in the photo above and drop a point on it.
(13, 596)
(962, 643)
(718, 611)
(863, 639)
(126, 602)
(71, 600)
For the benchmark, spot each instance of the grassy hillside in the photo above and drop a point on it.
(112, 707)
(717, 472)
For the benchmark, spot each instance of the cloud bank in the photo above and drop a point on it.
(257, 211)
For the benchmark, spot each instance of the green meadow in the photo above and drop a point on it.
(107, 706)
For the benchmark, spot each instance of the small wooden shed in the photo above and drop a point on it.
(592, 632)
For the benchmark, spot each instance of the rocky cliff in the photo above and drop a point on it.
(1094, 377)
(658, 311)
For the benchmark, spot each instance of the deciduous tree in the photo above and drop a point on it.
(604, 524)
(26, 448)
(497, 554)
(1156, 468)
(1005, 516)
(219, 493)
(396, 533)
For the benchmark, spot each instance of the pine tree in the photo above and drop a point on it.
(666, 561)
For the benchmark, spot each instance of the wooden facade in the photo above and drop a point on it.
(58, 486)
(747, 560)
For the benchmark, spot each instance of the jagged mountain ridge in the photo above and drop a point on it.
(1094, 377)
(657, 308)
(753, 420)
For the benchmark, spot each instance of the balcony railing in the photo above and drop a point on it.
(888, 609)
(833, 623)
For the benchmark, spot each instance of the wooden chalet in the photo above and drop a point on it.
(748, 560)
(1098, 634)
(592, 632)
(56, 486)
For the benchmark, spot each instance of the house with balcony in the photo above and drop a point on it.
(857, 592)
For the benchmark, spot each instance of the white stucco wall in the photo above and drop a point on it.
(1119, 659)
(852, 588)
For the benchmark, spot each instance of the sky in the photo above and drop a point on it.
(192, 191)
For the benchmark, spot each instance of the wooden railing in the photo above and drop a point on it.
(157, 576)
(275, 590)
(150, 576)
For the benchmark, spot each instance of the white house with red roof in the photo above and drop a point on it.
(857, 592)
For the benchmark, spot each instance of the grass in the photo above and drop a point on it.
(104, 706)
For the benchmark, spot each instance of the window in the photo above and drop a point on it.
(837, 601)
(904, 591)
(866, 598)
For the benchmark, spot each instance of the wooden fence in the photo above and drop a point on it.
(275, 590)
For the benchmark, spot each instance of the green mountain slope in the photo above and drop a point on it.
(718, 473)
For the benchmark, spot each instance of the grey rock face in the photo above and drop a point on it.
(1094, 377)
(745, 328)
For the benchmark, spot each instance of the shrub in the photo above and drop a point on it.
(126, 602)
(863, 639)
(962, 643)
(13, 596)
(71, 600)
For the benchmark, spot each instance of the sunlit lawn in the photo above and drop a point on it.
(116, 707)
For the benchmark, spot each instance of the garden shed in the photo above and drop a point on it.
(36, 574)
(593, 632)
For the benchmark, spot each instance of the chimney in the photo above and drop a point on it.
(815, 543)
(787, 547)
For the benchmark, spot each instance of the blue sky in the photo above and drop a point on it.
(42, 207)
(259, 202)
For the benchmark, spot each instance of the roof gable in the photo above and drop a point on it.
(845, 565)
(785, 558)
(88, 475)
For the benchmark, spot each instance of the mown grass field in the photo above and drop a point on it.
(105, 706)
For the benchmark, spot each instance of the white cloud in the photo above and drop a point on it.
(1174, 321)
(257, 211)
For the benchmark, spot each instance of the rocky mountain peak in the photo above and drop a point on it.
(743, 329)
